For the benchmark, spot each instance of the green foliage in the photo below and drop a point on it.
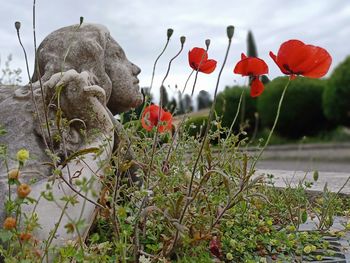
(227, 105)
(336, 97)
(196, 126)
(301, 112)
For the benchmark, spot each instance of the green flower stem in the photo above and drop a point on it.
(156, 61)
(186, 113)
(46, 115)
(211, 113)
(272, 129)
(187, 81)
(232, 124)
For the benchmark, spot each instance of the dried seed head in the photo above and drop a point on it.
(182, 40)
(170, 33)
(230, 31)
(207, 43)
(17, 25)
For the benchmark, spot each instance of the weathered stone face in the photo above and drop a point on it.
(92, 49)
(123, 75)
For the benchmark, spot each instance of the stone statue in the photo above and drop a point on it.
(85, 79)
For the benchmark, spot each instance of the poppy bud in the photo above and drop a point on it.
(230, 31)
(170, 33)
(14, 174)
(17, 25)
(25, 236)
(81, 20)
(207, 43)
(23, 190)
(182, 40)
(9, 223)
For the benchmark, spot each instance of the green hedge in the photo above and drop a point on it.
(227, 104)
(336, 97)
(301, 112)
(196, 126)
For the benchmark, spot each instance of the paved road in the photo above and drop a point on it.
(293, 163)
(305, 165)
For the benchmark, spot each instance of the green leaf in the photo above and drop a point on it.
(304, 216)
(315, 176)
(5, 235)
(79, 153)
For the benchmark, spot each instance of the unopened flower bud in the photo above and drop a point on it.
(230, 31)
(9, 223)
(17, 25)
(182, 39)
(207, 43)
(81, 20)
(25, 236)
(14, 174)
(170, 33)
(23, 190)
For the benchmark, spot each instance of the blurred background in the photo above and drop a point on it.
(313, 130)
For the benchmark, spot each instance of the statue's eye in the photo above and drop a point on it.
(120, 54)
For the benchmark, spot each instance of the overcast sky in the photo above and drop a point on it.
(140, 28)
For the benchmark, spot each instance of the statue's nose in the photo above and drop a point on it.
(135, 69)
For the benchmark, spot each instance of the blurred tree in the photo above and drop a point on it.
(336, 102)
(172, 106)
(164, 97)
(187, 103)
(251, 46)
(301, 113)
(252, 51)
(180, 108)
(204, 100)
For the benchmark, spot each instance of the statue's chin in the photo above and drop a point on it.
(120, 107)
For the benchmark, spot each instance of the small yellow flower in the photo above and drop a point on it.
(9, 223)
(22, 155)
(229, 256)
(23, 190)
(14, 174)
(307, 249)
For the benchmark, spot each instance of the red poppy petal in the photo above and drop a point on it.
(251, 66)
(274, 58)
(317, 65)
(256, 88)
(243, 56)
(166, 119)
(196, 56)
(288, 50)
(144, 120)
(208, 66)
(149, 117)
(154, 113)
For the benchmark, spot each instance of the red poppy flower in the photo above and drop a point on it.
(198, 59)
(215, 247)
(253, 67)
(150, 118)
(296, 58)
